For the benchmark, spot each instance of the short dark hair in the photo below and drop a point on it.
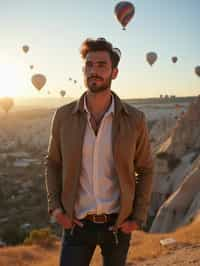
(100, 44)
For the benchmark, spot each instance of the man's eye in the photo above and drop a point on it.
(102, 65)
(88, 64)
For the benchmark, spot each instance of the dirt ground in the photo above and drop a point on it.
(181, 255)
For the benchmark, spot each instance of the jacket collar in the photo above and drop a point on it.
(119, 105)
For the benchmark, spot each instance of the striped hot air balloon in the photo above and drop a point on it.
(124, 12)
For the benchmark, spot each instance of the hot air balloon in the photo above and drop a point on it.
(75, 81)
(197, 70)
(124, 12)
(25, 48)
(174, 59)
(151, 57)
(31, 66)
(62, 93)
(38, 80)
(6, 103)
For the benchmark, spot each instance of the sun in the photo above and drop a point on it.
(11, 80)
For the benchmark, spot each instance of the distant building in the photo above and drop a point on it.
(173, 97)
(166, 96)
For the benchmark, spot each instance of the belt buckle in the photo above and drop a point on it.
(95, 219)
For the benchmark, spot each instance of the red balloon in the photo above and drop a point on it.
(124, 12)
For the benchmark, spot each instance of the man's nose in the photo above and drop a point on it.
(93, 70)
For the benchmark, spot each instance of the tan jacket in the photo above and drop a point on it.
(131, 151)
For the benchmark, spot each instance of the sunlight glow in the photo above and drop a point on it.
(11, 79)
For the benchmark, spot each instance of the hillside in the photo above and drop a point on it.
(176, 187)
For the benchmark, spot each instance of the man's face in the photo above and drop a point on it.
(98, 71)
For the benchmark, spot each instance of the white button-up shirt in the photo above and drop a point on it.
(99, 190)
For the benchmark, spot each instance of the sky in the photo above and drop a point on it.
(54, 30)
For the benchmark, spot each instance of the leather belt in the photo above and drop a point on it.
(101, 218)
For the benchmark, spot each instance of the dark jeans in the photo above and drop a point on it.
(77, 248)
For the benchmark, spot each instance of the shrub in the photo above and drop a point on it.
(162, 155)
(172, 161)
(43, 237)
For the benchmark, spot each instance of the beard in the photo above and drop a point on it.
(98, 85)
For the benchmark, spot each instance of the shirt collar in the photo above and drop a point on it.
(119, 106)
(109, 111)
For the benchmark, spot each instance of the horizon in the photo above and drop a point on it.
(43, 97)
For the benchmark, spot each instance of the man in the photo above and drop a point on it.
(99, 165)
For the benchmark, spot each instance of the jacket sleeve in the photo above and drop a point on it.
(144, 173)
(53, 167)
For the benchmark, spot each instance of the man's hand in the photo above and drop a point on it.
(129, 226)
(64, 221)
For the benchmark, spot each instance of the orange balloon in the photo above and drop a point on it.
(38, 80)
(6, 103)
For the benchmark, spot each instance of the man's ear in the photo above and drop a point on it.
(115, 72)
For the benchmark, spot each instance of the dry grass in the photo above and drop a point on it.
(143, 246)
(29, 255)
